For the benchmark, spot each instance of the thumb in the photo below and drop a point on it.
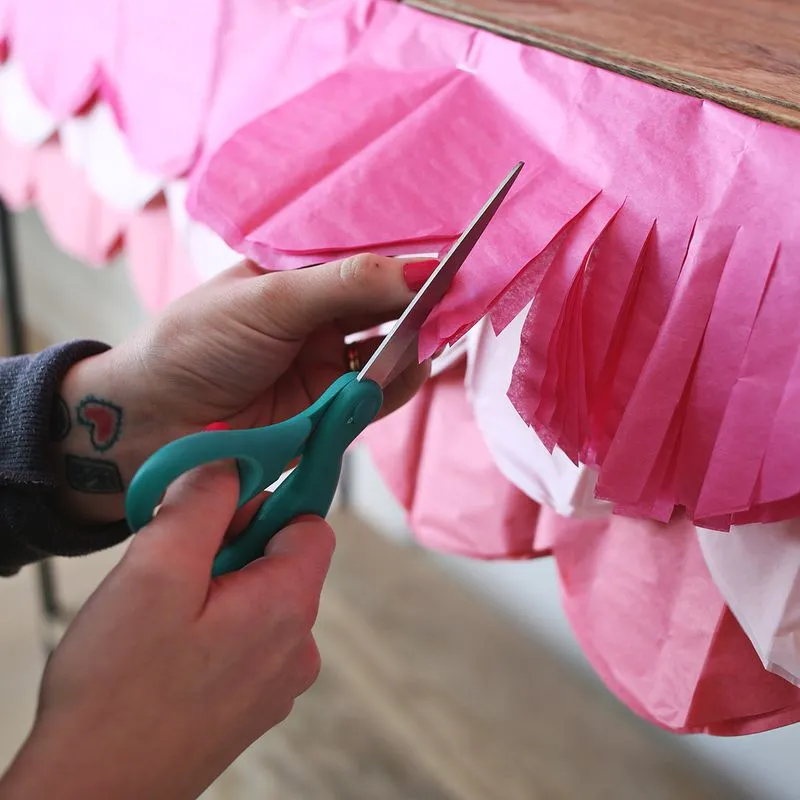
(302, 300)
(192, 521)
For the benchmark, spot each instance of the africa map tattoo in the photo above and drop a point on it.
(103, 419)
(93, 475)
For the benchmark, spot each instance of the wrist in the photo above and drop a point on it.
(74, 762)
(105, 430)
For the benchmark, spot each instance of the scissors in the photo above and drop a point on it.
(320, 435)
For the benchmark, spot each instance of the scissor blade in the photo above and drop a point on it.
(399, 347)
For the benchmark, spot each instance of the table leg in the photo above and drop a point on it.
(51, 609)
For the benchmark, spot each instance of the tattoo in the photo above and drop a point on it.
(60, 422)
(93, 475)
(103, 419)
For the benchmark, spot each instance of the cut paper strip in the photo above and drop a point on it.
(757, 570)
(549, 478)
(25, 120)
(733, 315)
(414, 449)
(778, 478)
(735, 463)
(541, 324)
(162, 72)
(528, 223)
(660, 387)
(610, 286)
(79, 222)
(60, 47)
(95, 143)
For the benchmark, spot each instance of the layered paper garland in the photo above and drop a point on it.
(638, 351)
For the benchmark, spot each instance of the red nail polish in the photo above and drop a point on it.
(417, 272)
(217, 426)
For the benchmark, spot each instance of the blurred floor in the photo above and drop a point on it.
(426, 694)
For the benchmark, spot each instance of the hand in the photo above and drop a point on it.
(166, 675)
(246, 348)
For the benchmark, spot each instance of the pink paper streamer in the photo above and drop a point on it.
(79, 222)
(536, 353)
(331, 115)
(149, 249)
(160, 267)
(739, 450)
(429, 478)
(642, 350)
(653, 404)
(61, 47)
(264, 59)
(652, 623)
(637, 594)
(162, 74)
(425, 110)
(736, 304)
(502, 257)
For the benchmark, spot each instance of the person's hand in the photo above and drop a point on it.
(246, 348)
(166, 675)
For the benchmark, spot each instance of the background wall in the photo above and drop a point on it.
(65, 299)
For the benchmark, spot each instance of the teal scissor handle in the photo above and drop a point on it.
(320, 434)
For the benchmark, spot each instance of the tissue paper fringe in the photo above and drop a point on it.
(661, 346)
(674, 415)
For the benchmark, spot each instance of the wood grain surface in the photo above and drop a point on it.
(428, 693)
(744, 54)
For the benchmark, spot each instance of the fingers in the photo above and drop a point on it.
(299, 301)
(288, 580)
(244, 515)
(192, 520)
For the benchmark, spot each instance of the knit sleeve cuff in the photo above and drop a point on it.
(30, 526)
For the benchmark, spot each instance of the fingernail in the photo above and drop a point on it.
(217, 426)
(417, 272)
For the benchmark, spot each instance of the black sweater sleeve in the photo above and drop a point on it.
(30, 527)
